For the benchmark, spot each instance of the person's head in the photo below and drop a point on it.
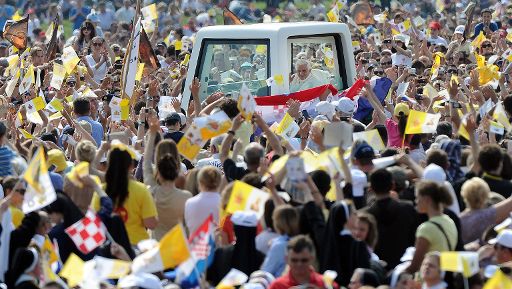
(52, 285)
(167, 168)
(475, 192)
(286, 220)
(85, 151)
(216, 143)
(209, 178)
(230, 107)
(300, 255)
(363, 277)
(302, 68)
(365, 229)
(173, 121)
(11, 185)
(431, 196)
(385, 60)
(486, 48)
(268, 213)
(98, 45)
(253, 154)
(381, 182)
(503, 246)
(431, 269)
(25, 261)
(119, 165)
(444, 128)
(507, 104)
(82, 106)
(490, 159)
(87, 30)
(164, 147)
(3, 133)
(438, 157)
(401, 113)
(362, 155)
(322, 181)
(37, 56)
(434, 28)
(486, 16)
(126, 3)
(191, 183)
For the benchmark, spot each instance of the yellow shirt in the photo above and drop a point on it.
(17, 216)
(139, 205)
(435, 237)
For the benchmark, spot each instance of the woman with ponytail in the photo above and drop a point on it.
(439, 233)
(170, 201)
(132, 200)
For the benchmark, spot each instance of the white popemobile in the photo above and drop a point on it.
(270, 58)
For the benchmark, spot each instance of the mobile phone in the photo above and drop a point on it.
(456, 105)
(305, 114)
(146, 110)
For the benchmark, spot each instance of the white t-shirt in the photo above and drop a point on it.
(199, 207)
(98, 74)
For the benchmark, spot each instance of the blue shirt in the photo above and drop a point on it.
(81, 18)
(57, 181)
(6, 156)
(275, 261)
(97, 129)
(480, 27)
(6, 11)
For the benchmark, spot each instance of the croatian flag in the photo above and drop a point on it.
(202, 249)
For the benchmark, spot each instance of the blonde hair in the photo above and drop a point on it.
(85, 151)
(191, 183)
(475, 192)
(286, 220)
(209, 178)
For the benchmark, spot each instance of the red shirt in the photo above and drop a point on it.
(287, 281)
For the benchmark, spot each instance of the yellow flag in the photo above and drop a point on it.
(462, 262)
(278, 78)
(78, 171)
(73, 270)
(55, 105)
(36, 104)
(435, 66)
(488, 73)
(171, 251)
(28, 80)
(463, 131)
(178, 45)
(140, 70)
(26, 134)
(478, 40)
(59, 72)
(185, 60)
(245, 197)
(332, 15)
(372, 137)
(501, 116)
(149, 12)
(498, 281)
(421, 122)
(69, 59)
(17, 16)
(125, 108)
(480, 60)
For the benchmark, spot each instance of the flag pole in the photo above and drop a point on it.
(128, 52)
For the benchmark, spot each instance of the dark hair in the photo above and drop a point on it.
(444, 128)
(3, 129)
(267, 214)
(49, 137)
(53, 284)
(298, 243)
(383, 132)
(381, 181)
(490, 157)
(368, 277)
(81, 36)
(253, 179)
(420, 66)
(506, 170)
(116, 176)
(436, 192)
(82, 106)
(167, 167)
(438, 157)
(389, 152)
(402, 123)
(322, 181)
(9, 182)
(507, 104)
(230, 107)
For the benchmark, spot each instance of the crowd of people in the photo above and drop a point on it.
(429, 173)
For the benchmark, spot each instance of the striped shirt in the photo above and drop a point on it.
(6, 156)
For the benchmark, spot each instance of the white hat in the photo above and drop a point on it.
(434, 173)
(141, 280)
(386, 51)
(345, 106)
(183, 118)
(504, 238)
(245, 218)
(359, 182)
(459, 29)
(325, 108)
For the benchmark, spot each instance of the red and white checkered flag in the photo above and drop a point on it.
(88, 233)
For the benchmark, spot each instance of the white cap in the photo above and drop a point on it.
(504, 238)
(345, 106)
(183, 118)
(325, 108)
(245, 218)
(359, 182)
(141, 280)
(459, 29)
(434, 173)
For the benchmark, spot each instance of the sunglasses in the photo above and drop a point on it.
(386, 41)
(378, 72)
(21, 191)
(301, 260)
(97, 43)
(486, 46)
(71, 83)
(386, 63)
(87, 28)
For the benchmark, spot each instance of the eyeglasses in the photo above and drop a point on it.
(486, 45)
(297, 260)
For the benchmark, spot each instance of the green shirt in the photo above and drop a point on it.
(435, 236)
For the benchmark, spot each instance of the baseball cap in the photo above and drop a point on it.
(504, 238)
(4, 44)
(172, 117)
(141, 280)
(345, 106)
(434, 173)
(363, 150)
(401, 108)
(434, 25)
(459, 29)
(325, 108)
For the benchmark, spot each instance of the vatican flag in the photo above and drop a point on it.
(40, 191)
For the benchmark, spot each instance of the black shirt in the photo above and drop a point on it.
(232, 172)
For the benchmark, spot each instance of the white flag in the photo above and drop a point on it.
(131, 63)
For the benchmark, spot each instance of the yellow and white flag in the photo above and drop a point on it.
(287, 127)
(213, 125)
(333, 15)
(59, 72)
(501, 116)
(171, 251)
(105, 268)
(246, 103)
(55, 105)
(36, 104)
(40, 191)
(245, 197)
(73, 270)
(462, 262)
(12, 60)
(28, 80)
(11, 84)
(405, 25)
(149, 12)
(191, 143)
(478, 40)
(233, 279)
(498, 281)
(25, 133)
(131, 61)
(69, 59)
(372, 137)
(421, 122)
(140, 71)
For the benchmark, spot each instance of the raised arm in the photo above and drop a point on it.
(273, 140)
